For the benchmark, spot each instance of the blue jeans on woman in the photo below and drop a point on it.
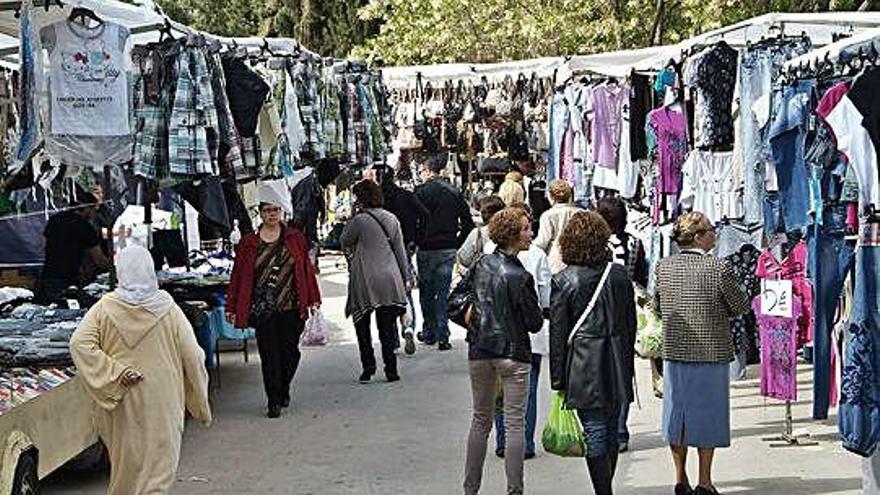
(531, 411)
(600, 436)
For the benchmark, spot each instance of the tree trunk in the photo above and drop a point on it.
(268, 24)
(657, 27)
(869, 5)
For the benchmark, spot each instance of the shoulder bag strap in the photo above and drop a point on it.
(592, 302)
(390, 242)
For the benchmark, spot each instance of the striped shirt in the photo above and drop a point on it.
(266, 254)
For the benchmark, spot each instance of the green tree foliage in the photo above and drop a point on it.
(328, 27)
(436, 31)
(399, 32)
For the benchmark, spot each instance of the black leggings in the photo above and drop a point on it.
(278, 343)
(386, 320)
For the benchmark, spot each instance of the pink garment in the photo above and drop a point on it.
(670, 129)
(831, 98)
(794, 268)
(566, 163)
(778, 351)
(607, 103)
(852, 216)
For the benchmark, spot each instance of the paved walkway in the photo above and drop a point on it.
(340, 437)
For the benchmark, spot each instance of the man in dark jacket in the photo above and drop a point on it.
(413, 217)
(447, 227)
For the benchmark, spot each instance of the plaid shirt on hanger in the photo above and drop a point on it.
(192, 114)
(332, 117)
(226, 127)
(350, 134)
(151, 115)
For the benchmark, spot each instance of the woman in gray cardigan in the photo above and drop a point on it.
(378, 276)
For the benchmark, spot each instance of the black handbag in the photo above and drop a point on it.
(264, 301)
(461, 298)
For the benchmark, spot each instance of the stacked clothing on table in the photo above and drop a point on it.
(20, 385)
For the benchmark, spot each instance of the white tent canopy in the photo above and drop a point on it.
(399, 77)
(141, 18)
(833, 51)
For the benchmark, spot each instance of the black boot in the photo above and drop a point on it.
(600, 474)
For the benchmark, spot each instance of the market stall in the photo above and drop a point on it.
(767, 126)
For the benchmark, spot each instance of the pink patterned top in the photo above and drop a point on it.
(794, 268)
(778, 351)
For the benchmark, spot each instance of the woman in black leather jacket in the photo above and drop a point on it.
(499, 307)
(591, 357)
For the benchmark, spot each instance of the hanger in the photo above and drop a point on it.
(82, 16)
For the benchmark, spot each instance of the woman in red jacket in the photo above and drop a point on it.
(274, 283)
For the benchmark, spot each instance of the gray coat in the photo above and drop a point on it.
(376, 267)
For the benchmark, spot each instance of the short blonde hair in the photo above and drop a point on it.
(511, 192)
(514, 176)
(560, 191)
(687, 227)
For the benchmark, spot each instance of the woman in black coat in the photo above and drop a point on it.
(591, 349)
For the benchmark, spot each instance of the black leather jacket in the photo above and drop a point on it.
(506, 307)
(596, 368)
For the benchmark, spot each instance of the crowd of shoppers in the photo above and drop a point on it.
(570, 294)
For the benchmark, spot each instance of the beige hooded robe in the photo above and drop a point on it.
(142, 425)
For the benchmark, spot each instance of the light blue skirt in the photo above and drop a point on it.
(696, 404)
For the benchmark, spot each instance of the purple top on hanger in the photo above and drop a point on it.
(670, 131)
(607, 103)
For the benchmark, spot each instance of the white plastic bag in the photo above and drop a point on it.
(316, 331)
(408, 317)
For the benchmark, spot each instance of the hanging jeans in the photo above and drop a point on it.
(859, 412)
(788, 133)
(831, 257)
(559, 120)
(754, 82)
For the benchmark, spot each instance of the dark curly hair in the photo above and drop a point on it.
(368, 194)
(505, 226)
(584, 241)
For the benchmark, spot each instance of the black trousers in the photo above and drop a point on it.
(386, 320)
(278, 343)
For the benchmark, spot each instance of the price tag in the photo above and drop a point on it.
(776, 298)
(72, 304)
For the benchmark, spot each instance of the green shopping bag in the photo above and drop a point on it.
(563, 434)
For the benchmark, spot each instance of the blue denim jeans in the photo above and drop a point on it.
(531, 410)
(773, 219)
(754, 81)
(435, 278)
(622, 428)
(559, 118)
(600, 430)
(859, 412)
(788, 134)
(831, 257)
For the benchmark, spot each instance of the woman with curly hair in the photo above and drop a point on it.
(499, 307)
(592, 334)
